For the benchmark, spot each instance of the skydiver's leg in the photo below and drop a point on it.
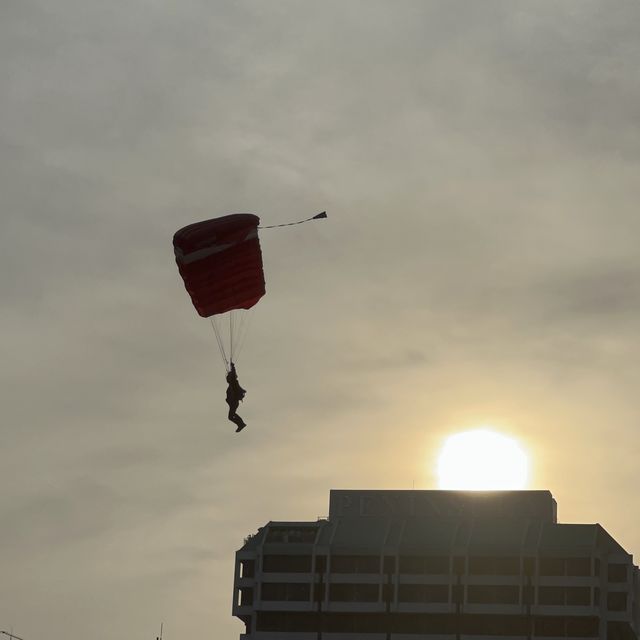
(238, 421)
(232, 411)
(233, 403)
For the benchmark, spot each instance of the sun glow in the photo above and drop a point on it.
(481, 460)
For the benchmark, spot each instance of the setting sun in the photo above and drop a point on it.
(482, 459)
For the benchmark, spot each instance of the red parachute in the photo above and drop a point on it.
(220, 262)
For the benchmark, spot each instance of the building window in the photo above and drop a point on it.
(270, 621)
(549, 626)
(290, 621)
(419, 623)
(389, 564)
(578, 566)
(298, 592)
(506, 566)
(480, 566)
(286, 564)
(617, 573)
(424, 593)
(493, 625)
(551, 566)
(388, 593)
(305, 535)
(424, 565)
(551, 595)
(286, 592)
(492, 594)
(576, 596)
(273, 591)
(459, 564)
(368, 623)
(355, 564)
(582, 627)
(617, 601)
(353, 593)
(620, 629)
(497, 566)
(245, 596)
(247, 568)
(354, 623)
(527, 595)
(529, 566)
(427, 624)
(565, 567)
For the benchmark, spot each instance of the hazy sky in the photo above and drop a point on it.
(480, 265)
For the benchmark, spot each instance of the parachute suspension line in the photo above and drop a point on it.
(220, 341)
(237, 331)
(323, 214)
(216, 331)
(242, 329)
(236, 328)
(231, 338)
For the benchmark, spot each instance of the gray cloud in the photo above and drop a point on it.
(479, 165)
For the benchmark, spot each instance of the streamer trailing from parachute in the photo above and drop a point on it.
(220, 261)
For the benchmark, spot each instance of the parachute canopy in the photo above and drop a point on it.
(221, 263)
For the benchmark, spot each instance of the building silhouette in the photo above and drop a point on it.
(402, 565)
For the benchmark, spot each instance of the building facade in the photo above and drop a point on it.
(442, 565)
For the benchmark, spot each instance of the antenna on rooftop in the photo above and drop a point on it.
(11, 635)
(160, 636)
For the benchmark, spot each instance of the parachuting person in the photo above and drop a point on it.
(220, 262)
(235, 395)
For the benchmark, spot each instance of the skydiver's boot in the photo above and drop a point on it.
(238, 421)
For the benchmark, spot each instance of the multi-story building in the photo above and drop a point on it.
(402, 565)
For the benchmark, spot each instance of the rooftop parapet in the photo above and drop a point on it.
(494, 505)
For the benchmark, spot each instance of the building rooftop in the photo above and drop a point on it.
(441, 523)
